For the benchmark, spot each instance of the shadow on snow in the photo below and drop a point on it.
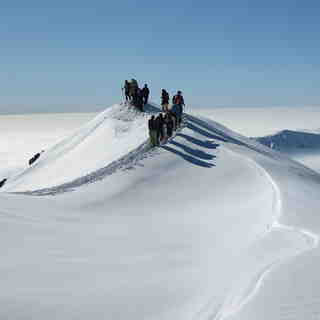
(189, 158)
(204, 132)
(194, 152)
(205, 144)
(133, 158)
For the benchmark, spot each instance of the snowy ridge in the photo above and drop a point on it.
(114, 126)
(125, 163)
(244, 290)
(195, 227)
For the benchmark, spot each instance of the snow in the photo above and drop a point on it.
(259, 121)
(24, 135)
(102, 140)
(291, 130)
(212, 225)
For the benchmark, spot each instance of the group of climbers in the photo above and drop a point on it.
(134, 95)
(162, 127)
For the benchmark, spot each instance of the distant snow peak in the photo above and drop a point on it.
(289, 140)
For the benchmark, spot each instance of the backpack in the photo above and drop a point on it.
(177, 99)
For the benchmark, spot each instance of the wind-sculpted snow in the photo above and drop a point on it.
(191, 230)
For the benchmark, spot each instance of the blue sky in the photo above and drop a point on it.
(74, 55)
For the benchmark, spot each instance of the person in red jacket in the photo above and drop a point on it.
(164, 100)
(178, 104)
(178, 99)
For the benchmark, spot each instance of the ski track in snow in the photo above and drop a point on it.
(234, 301)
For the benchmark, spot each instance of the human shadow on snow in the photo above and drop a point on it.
(205, 144)
(133, 158)
(194, 152)
(204, 132)
(222, 136)
(189, 158)
(250, 144)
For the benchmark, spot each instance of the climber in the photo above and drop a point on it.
(177, 108)
(35, 157)
(152, 131)
(164, 100)
(126, 89)
(145, 94)
(2, 182)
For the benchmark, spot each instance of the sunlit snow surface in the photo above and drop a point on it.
(292, 130)
(213, 225)
(24, 135)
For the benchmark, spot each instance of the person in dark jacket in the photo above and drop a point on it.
(174, 119)
(152, 131)
(180, 108)
(35, 157)
(165, 127)
(165, 100)
(169, 123)
(156, 126)
(127, 90)
(145, 94)
(139, 100)
(159, 126)
(133, 88)
(2, 182)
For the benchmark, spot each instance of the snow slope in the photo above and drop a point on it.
(263, 121)
(191, 230)
(99, 142)
(291, 130)
(24, 135)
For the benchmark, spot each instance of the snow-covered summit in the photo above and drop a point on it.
(191, 230)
